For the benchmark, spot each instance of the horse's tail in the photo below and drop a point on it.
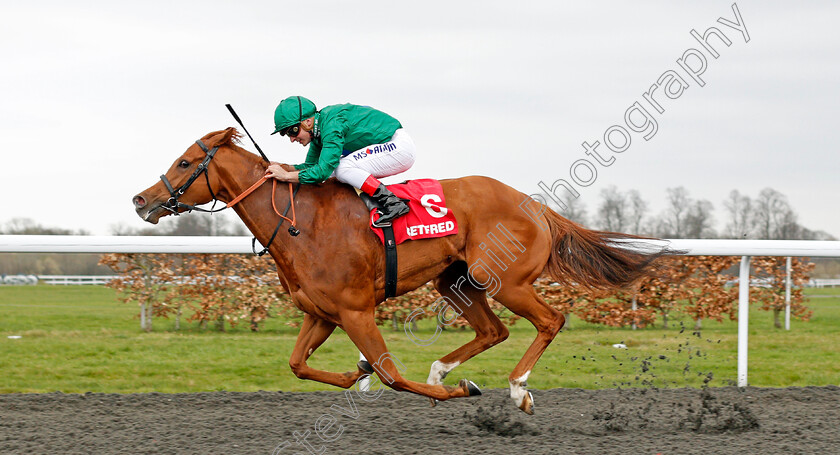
(598, 259)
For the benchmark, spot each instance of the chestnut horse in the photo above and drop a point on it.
(334, 269)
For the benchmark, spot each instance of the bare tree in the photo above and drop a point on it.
(685, 217)
(699, 220)
(808, 234)
(653, 226)
(575, 210)
(203, 224)
(28, 226)
(788, 225)
(772, 215)
(121, 228)
(613, 212)
(674, 217)
(45, 263)
(217, 224)
(740, 210)
(638, 209)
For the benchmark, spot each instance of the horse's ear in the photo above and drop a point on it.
(220, 137)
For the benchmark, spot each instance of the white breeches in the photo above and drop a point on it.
(379, 160)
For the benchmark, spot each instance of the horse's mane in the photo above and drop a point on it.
(234, 140)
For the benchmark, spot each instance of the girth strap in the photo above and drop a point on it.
(390, 262)
(390, 247)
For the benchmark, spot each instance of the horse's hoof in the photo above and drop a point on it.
(433, 401)
(527, 405)
(470, 387)
(364, 365)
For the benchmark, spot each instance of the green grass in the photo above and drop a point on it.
(80, 339)
(835, 292)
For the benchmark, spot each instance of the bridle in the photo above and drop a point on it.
(173, 204)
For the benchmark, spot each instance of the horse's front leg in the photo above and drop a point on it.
(361, 328)
(313, 332)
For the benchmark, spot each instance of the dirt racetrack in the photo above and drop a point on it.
(630, 421)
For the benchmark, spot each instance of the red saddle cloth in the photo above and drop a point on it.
(428, 216)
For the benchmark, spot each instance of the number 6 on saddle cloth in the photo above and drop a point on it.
(428, 217)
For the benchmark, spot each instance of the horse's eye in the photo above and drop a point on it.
(184, 164)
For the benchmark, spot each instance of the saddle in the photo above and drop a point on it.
(428, 217)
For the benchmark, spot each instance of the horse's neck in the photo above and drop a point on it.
(259, 217)
(256, 211)
(237, 173)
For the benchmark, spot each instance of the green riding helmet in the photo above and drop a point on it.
(292, 111)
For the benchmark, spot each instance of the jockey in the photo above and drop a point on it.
(354, 144)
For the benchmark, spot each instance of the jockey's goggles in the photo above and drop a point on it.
(291, 131)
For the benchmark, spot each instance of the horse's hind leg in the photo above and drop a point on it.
(524, 301)
(489, 330)
(362, 330)
(313, 332)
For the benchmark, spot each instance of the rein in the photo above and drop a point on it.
(293, 230)
(173, 204)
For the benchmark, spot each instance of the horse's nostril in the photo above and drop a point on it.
(139, 202)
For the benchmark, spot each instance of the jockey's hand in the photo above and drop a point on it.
(279, 172)
(287, 167)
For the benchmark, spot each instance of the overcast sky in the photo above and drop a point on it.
(99, 98)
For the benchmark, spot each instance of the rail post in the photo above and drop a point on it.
(787, 296)
(743, 319)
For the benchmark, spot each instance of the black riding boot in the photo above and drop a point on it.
(392, 206)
